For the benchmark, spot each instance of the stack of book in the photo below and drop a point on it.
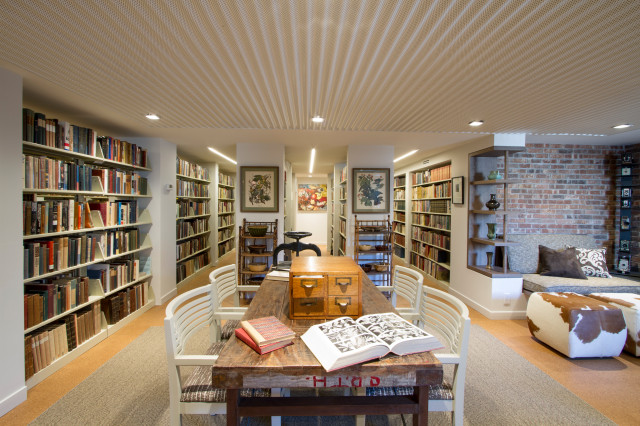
(265, 334)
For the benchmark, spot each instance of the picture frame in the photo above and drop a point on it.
(259, 189)
(457, 190)
(626, 203)
(625, 245)
(626, 192)
(627, 158)
(626, 171)
(371, 191)
(312, 197)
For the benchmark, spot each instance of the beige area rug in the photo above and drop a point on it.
(502, 388)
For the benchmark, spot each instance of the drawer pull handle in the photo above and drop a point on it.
(308, 283)
(343, 281)
(346, 301)
(307, 304)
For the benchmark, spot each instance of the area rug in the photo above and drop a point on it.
(502, 388)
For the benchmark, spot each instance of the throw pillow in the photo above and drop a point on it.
(560, 263)
(593, 262)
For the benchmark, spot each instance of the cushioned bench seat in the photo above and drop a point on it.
(615, 284)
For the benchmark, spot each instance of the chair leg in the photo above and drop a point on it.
(360, 419)
(276, 420)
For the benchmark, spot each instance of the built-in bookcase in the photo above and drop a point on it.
(342, 212)
(431, 221)
(85, 240)
(226, 213)
(192, 219)
(399, 225)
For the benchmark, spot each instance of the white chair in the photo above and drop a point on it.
(447, 317)
(185, 315)
(225, 284)
(407, 283)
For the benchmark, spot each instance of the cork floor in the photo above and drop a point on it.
(610, 385)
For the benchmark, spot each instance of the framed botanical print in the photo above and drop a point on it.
(457, 193)
(371, 191)
(259, 189)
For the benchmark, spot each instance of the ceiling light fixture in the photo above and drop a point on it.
(317, 119)
(476, 123)
(313, 159)
(222, 155)
(152, 117)
(402, 157)
(623, 126)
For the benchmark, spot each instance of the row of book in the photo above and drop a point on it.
(121, 182)
(191, 189)
(46, 300)
(225, 221)
(265, 335)
(398, 216)
(186, 208)
(225, 207)
(188, 228)
(439, 190)
(189, 247)
(399, 204)
(430, 237)
(430, 267)
(225, 193)
(43, 217)
(116, 242)
(122, 151)
(119, 212)
(431, 206)
(59, 338)
(53, 174)
(45, 256)
(399, 239)
(430, 252)
(115, 274)
(51, 132)
(399, 181)
(433, 221)
(433, 175)
(399, 194)
(125, 302)
(188, 267)
(225, 179)
(187, 168)
(225, 247)
(225, 234)
(399, 227)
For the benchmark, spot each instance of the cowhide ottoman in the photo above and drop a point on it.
(629, 304)
(576, 325)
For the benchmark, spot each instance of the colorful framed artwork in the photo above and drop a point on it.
(312, 197)
(371, 191)
(259, 189)
(457, 194)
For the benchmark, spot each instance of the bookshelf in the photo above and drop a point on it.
(226, 213)
(85, 240)
(431, 222)
(192, 219)
(399, 225)
(342, 212)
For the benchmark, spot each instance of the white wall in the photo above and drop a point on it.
(162, 159)
(314, 222)
(12, 384)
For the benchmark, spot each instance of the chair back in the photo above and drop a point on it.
(225, 283)
(408, 284)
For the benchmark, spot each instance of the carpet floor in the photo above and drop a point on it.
(502, 388)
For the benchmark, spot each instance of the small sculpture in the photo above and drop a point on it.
(491, 231)
(495, 174)
(493, 204)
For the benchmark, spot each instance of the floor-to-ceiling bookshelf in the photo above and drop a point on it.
(399, 225)
(431, 221)
(342, 213)
(226, 213)
(85, 240)
(192, 219)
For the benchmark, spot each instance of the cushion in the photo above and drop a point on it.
(436, 392)
(228, 329)
(593, 262)
(560, 263)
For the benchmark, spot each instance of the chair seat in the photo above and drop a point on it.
(197, 387)
(228, 329)
(436, 392)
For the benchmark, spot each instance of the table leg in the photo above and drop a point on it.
(421, 393)
(233, 398)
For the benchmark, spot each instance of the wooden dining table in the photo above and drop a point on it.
(295, 366)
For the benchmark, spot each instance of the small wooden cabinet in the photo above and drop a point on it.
(324, 288)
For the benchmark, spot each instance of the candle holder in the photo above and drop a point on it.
(489, 260)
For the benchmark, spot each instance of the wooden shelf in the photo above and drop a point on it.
(495, 182)
(495, 272)
(497, 242)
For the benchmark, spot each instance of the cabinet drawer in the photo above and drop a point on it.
(343, 285)
(308, 286)
(308, 307)
(342, 306)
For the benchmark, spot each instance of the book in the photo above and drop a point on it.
(242, 335)
(267, 330)
(277, 275)
(344, 341)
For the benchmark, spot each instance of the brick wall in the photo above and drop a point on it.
(568, 189)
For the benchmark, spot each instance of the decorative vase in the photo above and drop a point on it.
(495, 174)
(493, 204)
(491, 231)
(489, 260)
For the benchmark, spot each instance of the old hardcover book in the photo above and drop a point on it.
(267, 330)
(242, 335)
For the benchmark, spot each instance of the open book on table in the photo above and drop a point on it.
(345, 341)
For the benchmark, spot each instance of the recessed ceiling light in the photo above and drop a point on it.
(317, 119)
(152, 117)
(623, 126)
(222, 155)
(402, 157)
(476, 123)
(312, 160)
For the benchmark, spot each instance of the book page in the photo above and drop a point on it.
(342, 342)
(400, 335)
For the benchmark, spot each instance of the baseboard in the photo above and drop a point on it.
(493, 315)
(13, 400)
(164, 299)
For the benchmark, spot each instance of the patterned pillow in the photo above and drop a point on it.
(593, 262)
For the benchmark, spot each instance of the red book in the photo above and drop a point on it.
(267, 330)
(242, 335)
